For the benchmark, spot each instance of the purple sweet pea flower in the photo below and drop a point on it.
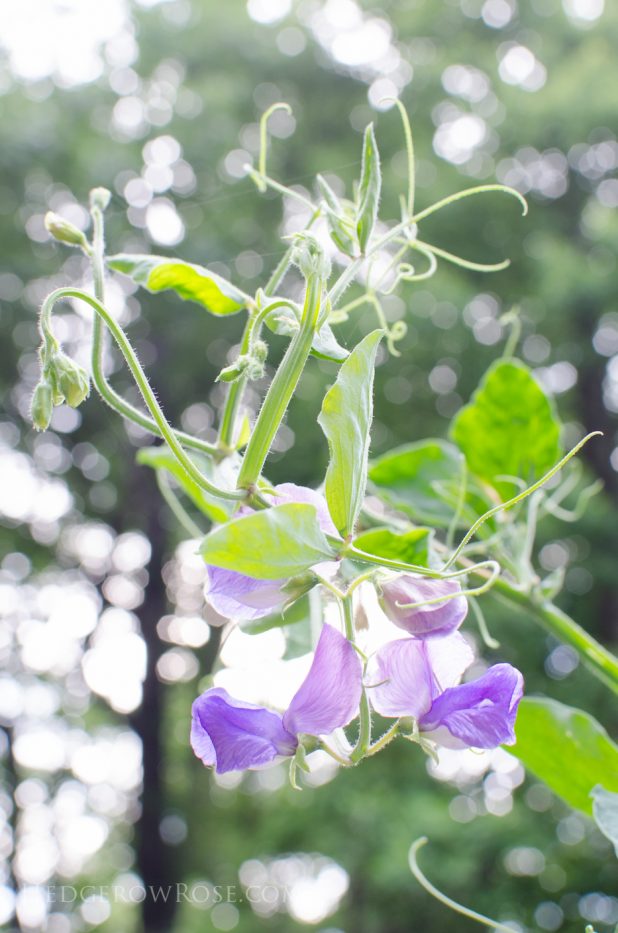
(417, 678)
(231, 735)
(399, 594)
(236, 596)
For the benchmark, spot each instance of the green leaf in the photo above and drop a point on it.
(605, 812)
(339, 218)
(161, 458)
(509, 428)
(414, 478)
(347, 412)
(412, 547)
(276, 543)
(369, 189)
(566, 748)
(325, 346)
(191, 282)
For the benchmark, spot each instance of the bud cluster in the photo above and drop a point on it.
(62, 380)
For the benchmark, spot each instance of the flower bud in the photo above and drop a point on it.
(309, 256)
(259, 351)
(234, 371)
(42, 405)
(100, 198)
(72, 379)
(64, 231)
(399, 594)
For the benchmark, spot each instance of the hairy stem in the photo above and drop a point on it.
(364, 723)
(101, 384)
(163, 427)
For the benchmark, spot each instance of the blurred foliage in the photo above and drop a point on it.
(523, 93)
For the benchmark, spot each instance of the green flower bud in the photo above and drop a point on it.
(42, 406)
(260, 351)
(255, 369)
(234, 371)
(72, 379)
(100, 198)
(64, 231)
(309, 256)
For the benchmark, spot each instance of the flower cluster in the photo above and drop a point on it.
(416, 679)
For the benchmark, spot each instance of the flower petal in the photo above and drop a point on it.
(232, 735)
(330, 693)
(399, 593)
(399, 678)
(290, 492)
(480, 714)
(406, 675)
(449, 658)
(242, 598)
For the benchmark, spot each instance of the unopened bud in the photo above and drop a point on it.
(309, 257)
(72, 380)
(64, 231)
(42, 406)
(234, 371)
(259, 351)
(100, 198)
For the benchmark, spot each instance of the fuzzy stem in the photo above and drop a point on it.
(163, 427)
(101, 384)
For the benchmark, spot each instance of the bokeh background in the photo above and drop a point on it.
(103, 637)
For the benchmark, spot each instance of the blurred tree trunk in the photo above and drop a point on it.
(154, 858)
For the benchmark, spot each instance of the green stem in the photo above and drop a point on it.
(385, 740)
(227, 428)
(601, 662)
(163, 427)
(364, 724)
(105, 390)
(448, 901)
(251, 333)
(176, 506)
(281, 388)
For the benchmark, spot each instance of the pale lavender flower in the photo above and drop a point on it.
(410, 677)
(399, 594)
(231, 735)
(236, 596)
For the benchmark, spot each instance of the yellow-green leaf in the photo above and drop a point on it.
(191, 282)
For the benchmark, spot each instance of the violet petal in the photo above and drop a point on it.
(397, 594)
(290, 492)
(233, 736)
(399, 679)
(242, 598)
(329, 696)
(479, 714)
(404, 676)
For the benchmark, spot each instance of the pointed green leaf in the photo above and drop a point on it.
(270, 545)
(161, 458)
(566, 748)
(509, 428)
(605, 813)
(412, 547)
(368, 189)
(346, 416)
(326, 347)
(191, 282)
